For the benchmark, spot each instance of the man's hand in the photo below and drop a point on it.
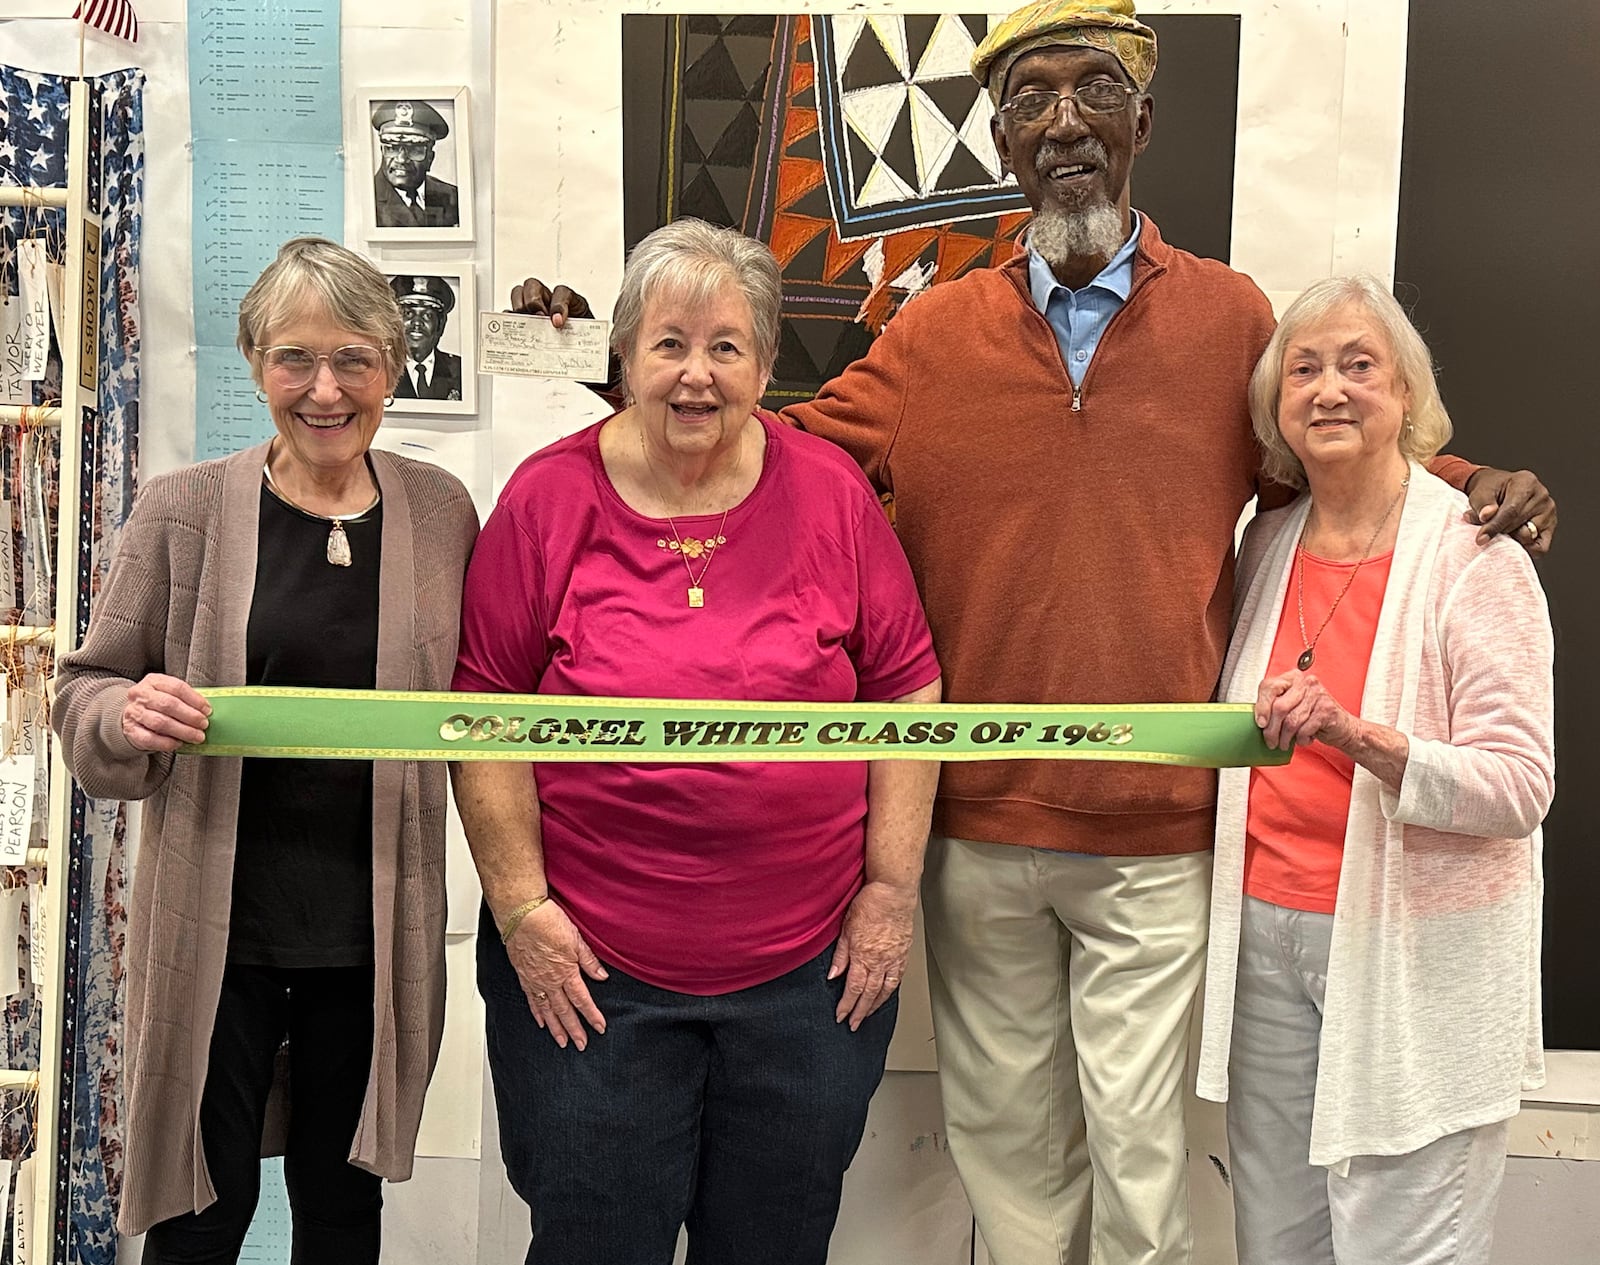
(534, 298)
(1515, 504)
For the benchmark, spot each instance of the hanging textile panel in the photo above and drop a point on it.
(33, 149)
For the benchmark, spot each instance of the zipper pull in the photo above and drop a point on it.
(1077, 399)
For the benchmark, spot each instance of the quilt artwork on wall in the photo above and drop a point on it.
(859, 149)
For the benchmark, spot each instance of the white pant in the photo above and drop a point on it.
(1433, 1206)
(1062, 989)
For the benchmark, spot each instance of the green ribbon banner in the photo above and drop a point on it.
(392, 725)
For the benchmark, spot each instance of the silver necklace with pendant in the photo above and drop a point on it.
(338, 543)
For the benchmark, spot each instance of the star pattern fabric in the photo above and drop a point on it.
(33, 144)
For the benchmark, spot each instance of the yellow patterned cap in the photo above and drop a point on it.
(1109, 25)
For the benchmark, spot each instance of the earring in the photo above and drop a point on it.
(1409, 426)
(261, 395)
(388, 400)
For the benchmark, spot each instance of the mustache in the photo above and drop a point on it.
(1088, 149)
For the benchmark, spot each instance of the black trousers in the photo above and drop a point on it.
(326, 1014)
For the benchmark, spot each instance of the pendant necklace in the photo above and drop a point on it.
(1309, 654)
(338, 542)
(708, 546)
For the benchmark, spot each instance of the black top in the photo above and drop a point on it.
(302, 877)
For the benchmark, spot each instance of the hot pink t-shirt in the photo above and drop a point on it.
(701, 878)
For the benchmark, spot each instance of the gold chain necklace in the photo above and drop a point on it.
(697, 592)
(1309, 655)
(338, 542)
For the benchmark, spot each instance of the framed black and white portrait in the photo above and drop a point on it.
(438, 309)
(420, 146)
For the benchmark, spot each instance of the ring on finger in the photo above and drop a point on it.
(1532, 528)
(541, 997)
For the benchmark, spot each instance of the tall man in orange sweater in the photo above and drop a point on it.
(1068, 445)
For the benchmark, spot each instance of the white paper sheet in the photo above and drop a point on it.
(8, 559)
(33, 295)
(5, 1189)
(22, 1215)
(38, 932)
(17, 775)
(462, 448)
(14, 388)
(10, 945)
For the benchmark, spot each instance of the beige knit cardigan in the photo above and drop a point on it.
(177, 600)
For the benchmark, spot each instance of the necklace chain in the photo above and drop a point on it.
(697, 593)
(1309, 654)
(338, 552)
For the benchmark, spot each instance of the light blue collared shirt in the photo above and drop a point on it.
(1080, 317)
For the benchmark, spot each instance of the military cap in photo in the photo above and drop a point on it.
(409, 119)
(434, 291)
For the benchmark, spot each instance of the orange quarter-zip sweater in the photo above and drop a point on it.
(1068, 549)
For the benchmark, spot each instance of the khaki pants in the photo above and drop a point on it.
(1062, 989)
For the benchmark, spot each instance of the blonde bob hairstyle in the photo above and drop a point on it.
(313, 278)
(1427, 427)
(689, 261)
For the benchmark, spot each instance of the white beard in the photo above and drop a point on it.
(1060, 237)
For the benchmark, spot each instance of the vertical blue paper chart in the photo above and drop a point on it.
(265, 112)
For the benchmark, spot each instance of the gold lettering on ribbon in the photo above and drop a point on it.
(487, 728)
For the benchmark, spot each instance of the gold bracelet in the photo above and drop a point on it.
(518, 914)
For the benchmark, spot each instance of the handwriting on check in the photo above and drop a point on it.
(530, 346)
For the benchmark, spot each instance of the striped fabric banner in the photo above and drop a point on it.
(114, 17)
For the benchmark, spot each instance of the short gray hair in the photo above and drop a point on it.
(310, 277)
(1427, 427)
(691, 260)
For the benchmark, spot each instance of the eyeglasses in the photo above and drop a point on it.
(291, 368)
(1100, 97)
(407, 149)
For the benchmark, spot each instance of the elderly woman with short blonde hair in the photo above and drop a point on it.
(274, 901)
(1372, 996)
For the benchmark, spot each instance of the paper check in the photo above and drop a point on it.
(530, 346)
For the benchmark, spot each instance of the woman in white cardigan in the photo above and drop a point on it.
(1372, 1004)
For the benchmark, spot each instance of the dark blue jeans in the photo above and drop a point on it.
(734, 1115)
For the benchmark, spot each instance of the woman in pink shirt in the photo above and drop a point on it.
(689, 970)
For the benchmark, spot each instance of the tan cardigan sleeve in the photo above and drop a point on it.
(128, 638)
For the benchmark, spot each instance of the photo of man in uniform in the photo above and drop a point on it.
(425, 305)
(404, 194)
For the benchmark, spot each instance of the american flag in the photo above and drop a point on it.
(114, 17)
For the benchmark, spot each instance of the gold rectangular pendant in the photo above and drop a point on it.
(697, 597)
